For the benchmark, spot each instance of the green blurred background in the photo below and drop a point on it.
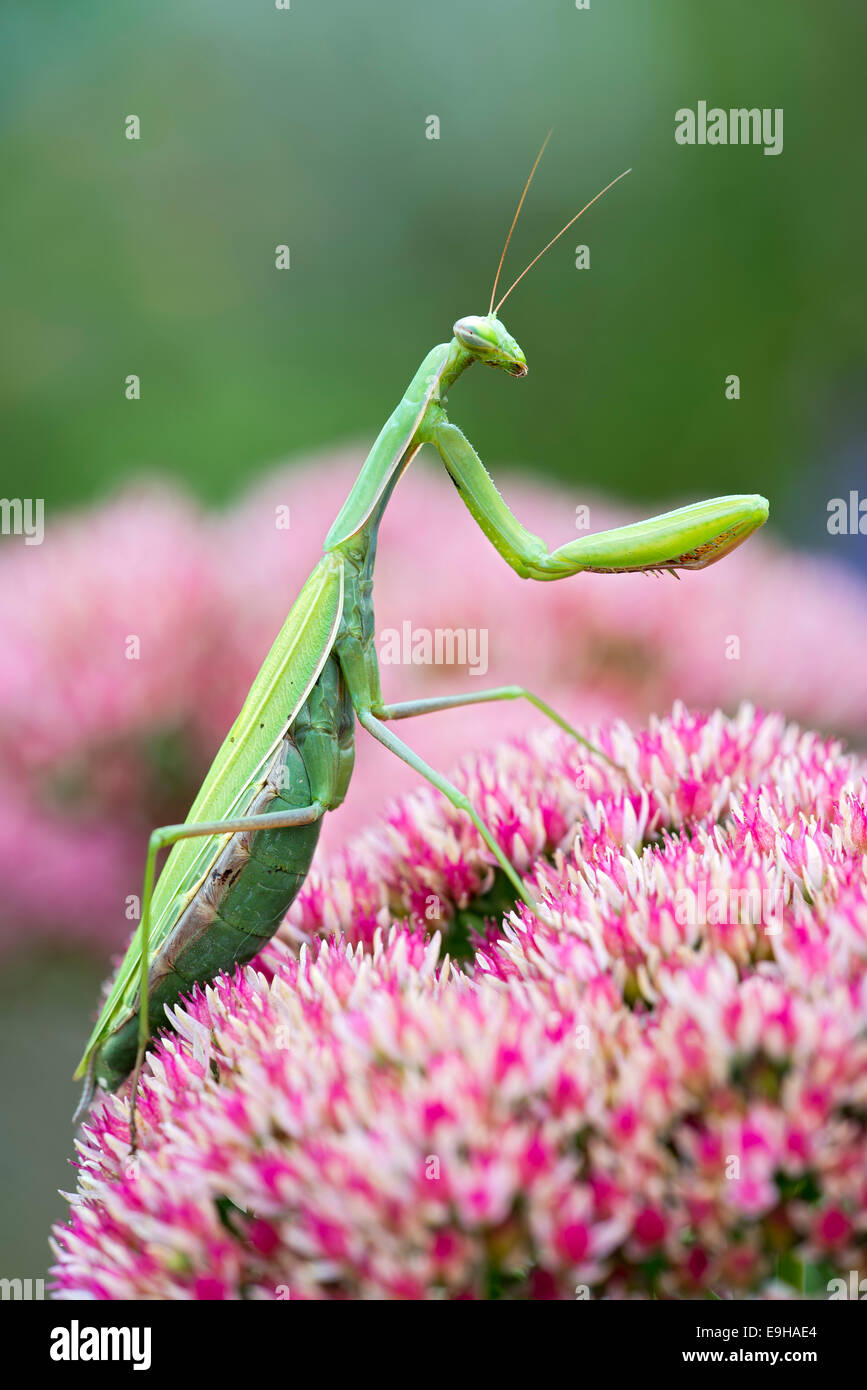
(307, 127)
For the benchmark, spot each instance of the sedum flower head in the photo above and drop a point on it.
(421, 1091)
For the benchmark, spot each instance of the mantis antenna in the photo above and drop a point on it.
(559, 234)
(517, 214)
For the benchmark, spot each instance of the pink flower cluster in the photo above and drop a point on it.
(131, 635)
(655, 1088)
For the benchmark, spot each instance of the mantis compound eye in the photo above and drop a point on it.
(468, 332)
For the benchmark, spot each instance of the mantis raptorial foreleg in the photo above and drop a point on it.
(408, 709)
(163, 838)
(689, 538)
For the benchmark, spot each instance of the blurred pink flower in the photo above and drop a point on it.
(658, 1091)
(98, 744)
(110, 640)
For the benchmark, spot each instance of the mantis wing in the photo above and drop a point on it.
(287, 676)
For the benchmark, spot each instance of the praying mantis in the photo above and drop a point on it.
(240, 858)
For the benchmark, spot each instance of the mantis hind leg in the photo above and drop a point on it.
(452, 794)
(408, 709)
(162, 838)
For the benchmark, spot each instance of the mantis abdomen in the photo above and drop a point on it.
(240, 904)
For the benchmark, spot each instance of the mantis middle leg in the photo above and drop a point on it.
(453, 795)
(408, 709)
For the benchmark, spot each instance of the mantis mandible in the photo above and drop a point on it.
(239, 859)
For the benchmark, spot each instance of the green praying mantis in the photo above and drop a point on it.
(241, 856)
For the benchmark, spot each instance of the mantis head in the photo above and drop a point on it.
(486, 338)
